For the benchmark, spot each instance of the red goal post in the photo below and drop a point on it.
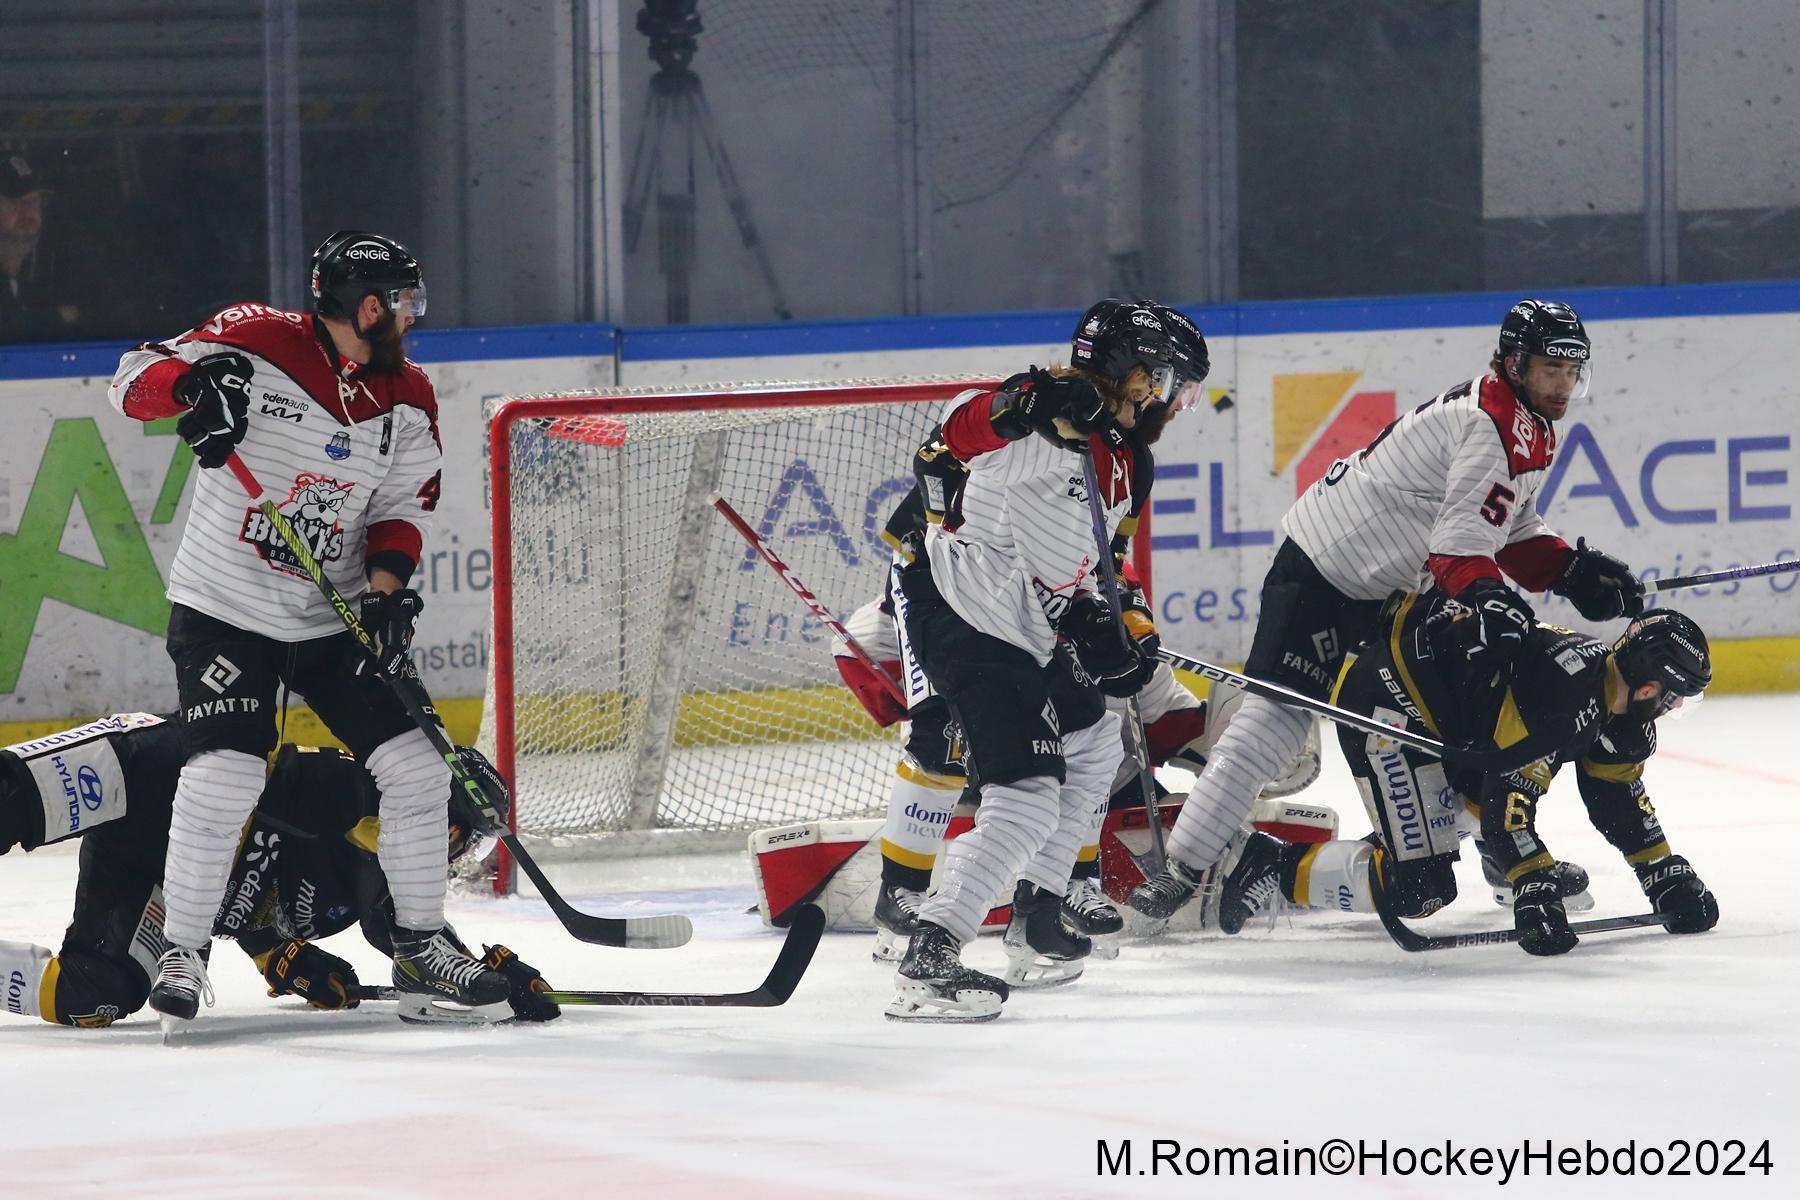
(652, 685)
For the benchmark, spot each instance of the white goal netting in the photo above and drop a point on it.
(656, 677)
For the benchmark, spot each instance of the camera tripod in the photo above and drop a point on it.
(680, 120)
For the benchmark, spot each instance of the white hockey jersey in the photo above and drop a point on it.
(352, 458)
(1455, 479)
(1022, 543)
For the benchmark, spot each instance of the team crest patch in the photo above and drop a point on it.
(338, 448)
(313, 507)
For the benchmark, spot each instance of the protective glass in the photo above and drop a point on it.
(408, 302)
(1169, 387)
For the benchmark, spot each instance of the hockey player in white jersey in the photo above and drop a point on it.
(1003, 575)
(1445, 494)
(326, 411)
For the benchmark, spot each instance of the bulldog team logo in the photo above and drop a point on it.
(313, 507)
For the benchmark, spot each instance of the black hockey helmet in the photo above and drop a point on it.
(476, 832)
(1665, 647)
(351, 264)
(1113, 336)
(1546, 327)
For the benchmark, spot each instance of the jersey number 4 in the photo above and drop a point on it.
(1498, 505)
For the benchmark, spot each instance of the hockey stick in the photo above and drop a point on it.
(805, 593)
(1687, 581)
(1134, 719)
(1413, 941)
(803, 935)
(1477, 759)
(652, 933)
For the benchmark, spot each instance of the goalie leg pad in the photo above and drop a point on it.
(834, 864)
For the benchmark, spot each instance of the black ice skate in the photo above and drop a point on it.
(1087, 910)
(1254, 884)
(932, 983)
(1164, 894)
(431, 965)
(181, 984)
(1041, 951)
(896, 920)
(1571, 883)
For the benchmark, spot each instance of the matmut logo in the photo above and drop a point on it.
(1319, 417)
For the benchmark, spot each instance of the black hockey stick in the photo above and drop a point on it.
(1687, 581)
(804, 931)
(652, 933)
(1485, 760)
(1413, 941)
(1134, 719)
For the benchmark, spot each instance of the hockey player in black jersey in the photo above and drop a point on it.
(998, 582)
(1569, 700)
(305, 869)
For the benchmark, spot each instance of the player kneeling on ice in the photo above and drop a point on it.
(1568, 699)
(1004, 573)
(306, 868)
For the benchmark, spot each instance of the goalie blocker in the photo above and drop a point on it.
(837, 864)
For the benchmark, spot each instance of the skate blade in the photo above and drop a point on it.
(918, 1002)
(1106, 946)
(169, 1026)
(890, 947)
(1040, 973)
(429, 1010)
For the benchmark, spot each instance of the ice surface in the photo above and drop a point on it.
(1311, 1030)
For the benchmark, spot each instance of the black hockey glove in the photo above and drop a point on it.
(1539, 917)
(1677, 893)
(1502, 619)
(1599, 586)
(1062, 408)
(388, 618)
(301, 969)
(528, 1003)
(216, 391)
(1117, 667)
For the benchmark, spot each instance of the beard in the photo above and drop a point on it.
(387, 348)
(1150, 421)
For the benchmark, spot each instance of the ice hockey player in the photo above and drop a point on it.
(330, 415)
(998, 581)
(1568, 699)
(306, 869)
(1446, 493)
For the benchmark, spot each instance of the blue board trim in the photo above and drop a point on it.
(813, 338)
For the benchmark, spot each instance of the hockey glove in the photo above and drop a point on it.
(1119, 668)
(1502, 619)
(1599, 586)
(295, 968)
(1062, 408)
(1539, 917)
(388, 618)
(216, 391)
(528, 1003)
(1677, 893)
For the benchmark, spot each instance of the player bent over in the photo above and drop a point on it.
(1570, 699)
(1447, 492)
(998, 580)
(306, 869)
(340, 427)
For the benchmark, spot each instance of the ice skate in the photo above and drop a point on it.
(932, 983)
(1571, 882)
(181, 984)
(1254, 884)
(1087, 910)
(1041, 951)
(1162, 895)
(432, 967)
(896, 920)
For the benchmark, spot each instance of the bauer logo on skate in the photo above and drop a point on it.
(313, 507)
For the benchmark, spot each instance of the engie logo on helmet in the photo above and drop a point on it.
(367, 250)
(1148, 320)
(1566, 350)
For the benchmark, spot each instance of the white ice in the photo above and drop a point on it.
(1315, 1029)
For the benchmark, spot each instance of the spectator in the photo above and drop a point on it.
(27, 313)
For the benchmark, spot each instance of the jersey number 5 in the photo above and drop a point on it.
(1498, 505)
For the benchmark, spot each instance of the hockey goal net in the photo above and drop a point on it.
(654, 684)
